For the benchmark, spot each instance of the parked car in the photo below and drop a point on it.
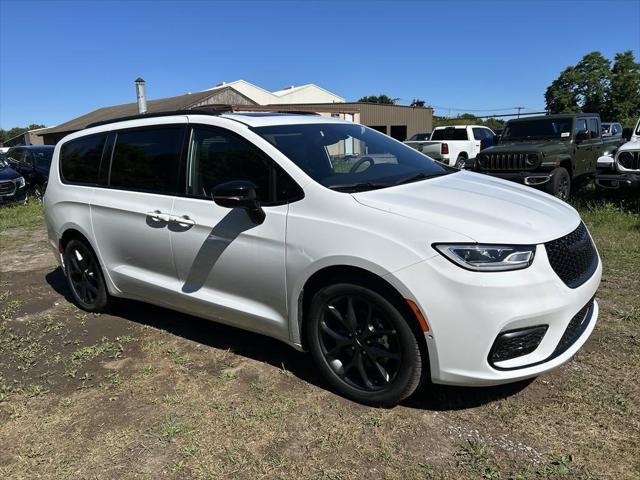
(550, 152)
(261, 221)
(623, 168)
(416, 140)
(457, 145)
(611, 137)
(33, 163)
(12, 185)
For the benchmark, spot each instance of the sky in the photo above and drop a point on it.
(62, 59)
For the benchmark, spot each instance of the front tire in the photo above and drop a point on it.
(363, 345)
(560, 184)
(84, 277)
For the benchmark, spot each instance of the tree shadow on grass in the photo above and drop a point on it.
(279, 355)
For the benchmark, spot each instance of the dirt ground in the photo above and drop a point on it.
(149, 393)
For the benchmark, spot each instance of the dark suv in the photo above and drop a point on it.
(33, 163)
(550, 152)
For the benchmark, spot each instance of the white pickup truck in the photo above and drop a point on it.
(455, 145)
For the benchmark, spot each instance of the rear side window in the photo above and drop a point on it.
(147, 159)
(450, 134)
(80, 160)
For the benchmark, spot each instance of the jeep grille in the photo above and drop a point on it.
(573, 257)
(629, 160)
(508, 161)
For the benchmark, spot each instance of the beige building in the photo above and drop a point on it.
(398, 121)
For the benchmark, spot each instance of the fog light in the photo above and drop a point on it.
(516, 343)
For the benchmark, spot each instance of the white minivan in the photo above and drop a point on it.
(389, 267)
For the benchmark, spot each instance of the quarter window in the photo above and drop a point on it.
(147, 159)
(80, 160)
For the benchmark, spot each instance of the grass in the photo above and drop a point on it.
(207, 401)
(113, 349)
(26, 216)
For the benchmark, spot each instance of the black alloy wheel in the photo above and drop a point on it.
(363, 345)
(85, 277)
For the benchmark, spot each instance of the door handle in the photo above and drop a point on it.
(183, 220)
(158, 215)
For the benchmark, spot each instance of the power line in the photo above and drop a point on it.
(483, 109)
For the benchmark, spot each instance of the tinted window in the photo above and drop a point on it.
(80, 159)
(217, 156)
(450, 134)
(593, 126)
(147, 159)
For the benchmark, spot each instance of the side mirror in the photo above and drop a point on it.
(627, 133)
(239, 194)
(582, 135)
(496, 139)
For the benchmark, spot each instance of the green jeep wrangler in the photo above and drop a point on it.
(551, 152)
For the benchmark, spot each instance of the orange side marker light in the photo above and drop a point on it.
(416, 311)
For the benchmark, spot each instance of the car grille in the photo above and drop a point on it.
(7, 188)
(629, 160)
(573, 257)
(576, 327)
(507, 161)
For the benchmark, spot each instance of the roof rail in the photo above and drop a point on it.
(203, 110)
(217, 110)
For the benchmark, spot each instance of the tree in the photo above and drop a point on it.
(379, 99)
(416, 102)
(593, 86)
(561, 95)
(624, 96)
(14, 132)
(593, 80)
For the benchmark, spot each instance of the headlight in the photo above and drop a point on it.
(488, 258)
(20, 182)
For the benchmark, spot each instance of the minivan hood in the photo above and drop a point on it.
(487, 209)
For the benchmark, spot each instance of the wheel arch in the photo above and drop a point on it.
(70, 232)
(331, 274)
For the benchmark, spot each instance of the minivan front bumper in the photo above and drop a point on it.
(467, 311)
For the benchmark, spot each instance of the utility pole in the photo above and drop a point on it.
(519, 108)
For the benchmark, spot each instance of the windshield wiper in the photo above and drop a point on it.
(358, 187)
(418, 176)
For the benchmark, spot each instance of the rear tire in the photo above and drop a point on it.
(560, 184)
(363, 345)
(84, 276)
(461, 162)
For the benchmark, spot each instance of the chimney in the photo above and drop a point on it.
(140, 94)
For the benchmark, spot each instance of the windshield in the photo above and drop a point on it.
(419, 137)
(638, 128)
(542, 128)
(350, 157)
(450, 134)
